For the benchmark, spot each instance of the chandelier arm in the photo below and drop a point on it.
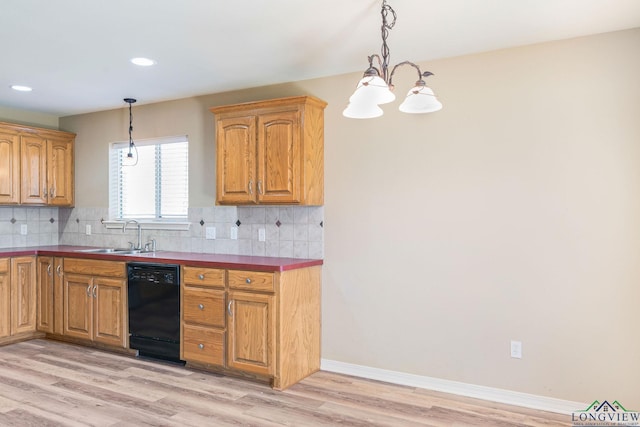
(371, 67)
(406, 63)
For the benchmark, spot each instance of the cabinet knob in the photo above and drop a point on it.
(201, 346)
(248, 281)
(201, 306)
(201, 276)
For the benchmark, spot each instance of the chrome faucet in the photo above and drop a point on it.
(124, 228)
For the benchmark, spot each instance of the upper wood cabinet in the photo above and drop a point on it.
(38, 166)
(270, 152)
(9, 166)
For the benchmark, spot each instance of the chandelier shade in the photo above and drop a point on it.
(420, 99)
(373, 90)
(362, 110)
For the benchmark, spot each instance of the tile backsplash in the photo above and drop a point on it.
(21, 227)
(289, 231)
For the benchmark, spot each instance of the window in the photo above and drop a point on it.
(156, 186)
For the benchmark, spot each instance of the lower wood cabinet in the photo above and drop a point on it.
(95, 301)
(264, 325)
(5, 297)
(49, 305)
(17, 296)
(203, 315)
(251, 332)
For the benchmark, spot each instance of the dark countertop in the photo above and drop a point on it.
(240, 262)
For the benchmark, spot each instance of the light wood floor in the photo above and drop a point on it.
(48, 383)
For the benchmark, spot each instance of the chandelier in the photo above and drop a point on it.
(376, 86)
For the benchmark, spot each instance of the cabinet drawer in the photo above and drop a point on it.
(203, 276)
(204, 345)
(94, 267)
(203, 306)
(251, 280)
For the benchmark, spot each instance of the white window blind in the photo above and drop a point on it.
(156, 186)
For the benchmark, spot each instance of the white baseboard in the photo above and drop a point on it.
(446, 386)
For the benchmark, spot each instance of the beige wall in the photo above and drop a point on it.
(513, 213)
(12, 115)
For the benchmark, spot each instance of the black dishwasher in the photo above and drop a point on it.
(154, 310)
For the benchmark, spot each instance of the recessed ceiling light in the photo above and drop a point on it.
(143, 62)
(21, 88)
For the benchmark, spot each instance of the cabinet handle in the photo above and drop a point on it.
(251, 187)
(248, 281)
(201, 276)
(59, 270)
(89, 291)
(49, 269)
(201, 346)
(260, 187)
(201, 306)
(229, 308)
(52, 192)
(44, 194)
(95, 288)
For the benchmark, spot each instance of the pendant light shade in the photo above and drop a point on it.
(420, 99)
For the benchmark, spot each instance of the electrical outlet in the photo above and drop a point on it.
(87, 229)
(516, 349)
(23, 229)
(262, 235)
(210, 233)
(234, 233)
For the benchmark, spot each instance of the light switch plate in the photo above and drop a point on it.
(210, 233)
(234, 233)
(23, 229)
(516, 349)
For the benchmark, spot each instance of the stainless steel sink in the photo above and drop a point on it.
(114, 251)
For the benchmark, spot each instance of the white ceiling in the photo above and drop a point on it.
(75, 53)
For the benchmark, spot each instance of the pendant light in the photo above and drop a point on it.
(376, 86)
(132, 160)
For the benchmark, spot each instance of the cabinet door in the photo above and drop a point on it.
(58, 296)
(60, 171)
(279, 157)
(78, 306)
(9, 167)
(236, 159)
(45, 307)
(251, 333)
(110, 308)
(23, 295)
(33, 155)
(5, 297)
